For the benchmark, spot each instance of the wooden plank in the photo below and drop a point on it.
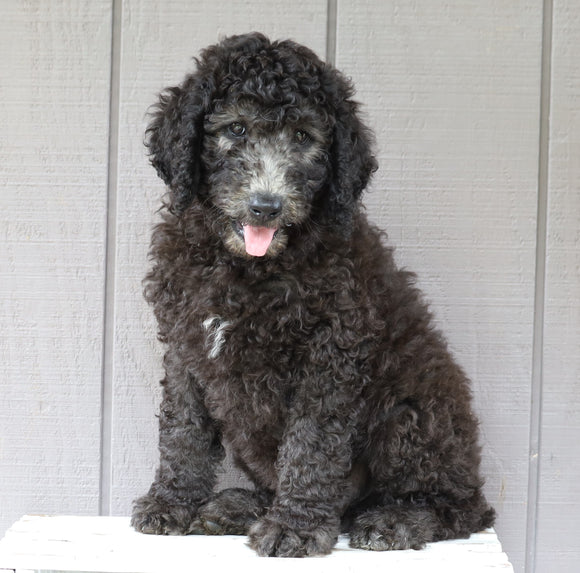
(159, 41)
(559, 493)
(54, 99)
(452, 90)
(109, 544)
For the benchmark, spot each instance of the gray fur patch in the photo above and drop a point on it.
(216, 329)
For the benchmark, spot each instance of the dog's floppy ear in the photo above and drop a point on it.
(352, 157)
(173, 138)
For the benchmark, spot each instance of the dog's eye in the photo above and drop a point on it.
(237, 129)
(301, 137)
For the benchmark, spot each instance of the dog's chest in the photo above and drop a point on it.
(252, 345)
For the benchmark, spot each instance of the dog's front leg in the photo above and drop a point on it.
(314, 465)
(190, 450)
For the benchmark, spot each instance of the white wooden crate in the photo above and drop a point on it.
(109, 544)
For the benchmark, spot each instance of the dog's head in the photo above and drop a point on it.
(267, 136)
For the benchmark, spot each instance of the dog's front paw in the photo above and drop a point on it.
(230, 512)
(272, 539)
(158, 517)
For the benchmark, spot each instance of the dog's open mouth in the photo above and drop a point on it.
(256, 239)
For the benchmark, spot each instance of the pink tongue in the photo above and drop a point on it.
(257, 240)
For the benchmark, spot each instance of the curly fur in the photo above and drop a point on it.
(316, 361)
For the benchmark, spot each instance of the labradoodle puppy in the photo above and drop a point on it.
(291, 335)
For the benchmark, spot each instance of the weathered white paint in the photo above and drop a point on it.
(452, 89)
(109, 544)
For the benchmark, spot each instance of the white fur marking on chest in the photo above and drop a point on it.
(216, 329)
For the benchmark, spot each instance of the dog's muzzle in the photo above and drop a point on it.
(264, 209)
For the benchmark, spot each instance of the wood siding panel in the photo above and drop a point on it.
(557, 547)
(452, 90)
(54, 100)
(159, 41)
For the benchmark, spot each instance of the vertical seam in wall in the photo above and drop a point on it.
(540, 293)
(110, 267)
(331, 30)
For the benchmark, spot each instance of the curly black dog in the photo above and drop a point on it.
(291, 335)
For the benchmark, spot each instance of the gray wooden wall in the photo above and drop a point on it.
(476, 105)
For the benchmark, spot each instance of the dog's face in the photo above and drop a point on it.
(262, 171)
(265, 135)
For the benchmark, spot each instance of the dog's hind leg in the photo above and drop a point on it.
(190, 449)
(231, 512)
(393, 527)
(410, 526)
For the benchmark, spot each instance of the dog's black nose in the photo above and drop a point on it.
(265, 207)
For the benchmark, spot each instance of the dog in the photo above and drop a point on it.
(291, 335)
